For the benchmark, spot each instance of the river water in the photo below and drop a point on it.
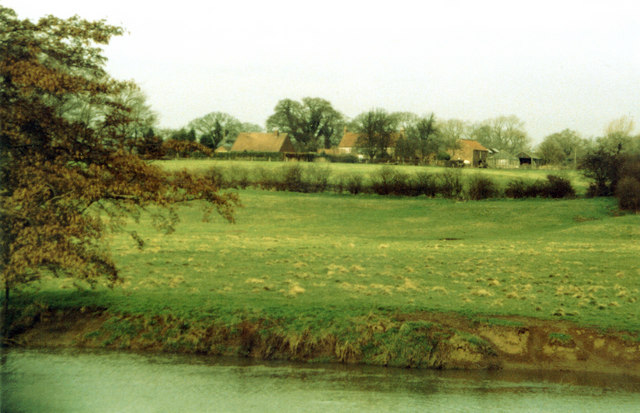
(94, 381)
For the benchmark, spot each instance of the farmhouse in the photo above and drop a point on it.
(470, 153)
(263, 142)
(348, 143)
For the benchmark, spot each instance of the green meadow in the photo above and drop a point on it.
(338, 170)
(319, 260)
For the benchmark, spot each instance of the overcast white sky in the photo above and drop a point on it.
(554, 64)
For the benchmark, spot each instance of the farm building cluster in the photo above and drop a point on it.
(467, 153)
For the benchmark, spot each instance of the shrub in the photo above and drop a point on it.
(216, 176)
(519, 188)
(631, 167)
(316, 178)
(516, 189)
(185, 149)
(389, 180)
(425, 184)
(341, 158)
(450, 183)
(558, 187)
(266, 178)
(481, 187)
(239, 177)
(353, 184)
(291, 178)
(628, 194)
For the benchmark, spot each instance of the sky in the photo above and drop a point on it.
(554, 64)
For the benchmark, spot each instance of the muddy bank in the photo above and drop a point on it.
(418, 340)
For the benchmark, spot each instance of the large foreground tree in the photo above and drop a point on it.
(63, 179)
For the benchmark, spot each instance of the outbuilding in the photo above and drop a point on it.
(469, 153)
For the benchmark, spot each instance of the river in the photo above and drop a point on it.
(100, 381)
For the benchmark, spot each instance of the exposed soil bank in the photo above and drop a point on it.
(420, 340)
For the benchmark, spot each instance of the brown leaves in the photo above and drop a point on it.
(63, 177)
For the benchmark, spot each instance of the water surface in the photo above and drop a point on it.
(83, 381)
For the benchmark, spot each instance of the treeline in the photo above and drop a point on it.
(314, 124)
(388, 180)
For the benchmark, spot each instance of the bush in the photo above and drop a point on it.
(352, 183)
(185, 149)
(450, 183)
(239, 177)
(390, 181)
(519, 188)
(316, 178)
(425, 184)
(558, 187)
(481, 187)
(628, 194)
(266, 178)
(217, 177)
(516, 189)
(348, 158)
(291, 178)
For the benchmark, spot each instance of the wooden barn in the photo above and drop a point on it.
(501, 159)
(528, 161)
(470, 153)
(263, 142)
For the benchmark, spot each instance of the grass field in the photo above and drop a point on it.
(500, 176)
(316, 260)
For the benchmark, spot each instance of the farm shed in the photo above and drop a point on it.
(499, 159)
(263, 142)
(528, 161)
(470, 153)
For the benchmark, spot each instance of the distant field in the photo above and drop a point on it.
(321, 258)
(501, 176)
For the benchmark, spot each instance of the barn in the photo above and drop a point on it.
(469, 153)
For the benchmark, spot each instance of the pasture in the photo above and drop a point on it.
(316, 260)
(339, 170)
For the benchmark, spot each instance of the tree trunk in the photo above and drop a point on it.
(4, 317)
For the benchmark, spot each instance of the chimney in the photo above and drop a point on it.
(277, 132)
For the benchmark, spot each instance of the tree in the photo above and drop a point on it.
(183, 134)
(419, 137)
(450, 131)
(150, 146)
(250, 127)
(504, 133)
(425, 133)
(617, 135)
(376, 129)
(562, 147)
(551, 152)
(215, 128)
(603, 165)
(312, 123)
(60, 176)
